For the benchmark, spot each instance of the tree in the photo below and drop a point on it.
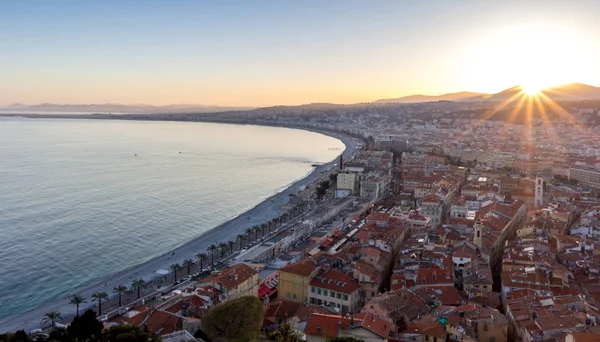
(240, 238)
(52, 317)
(343, 339)
(286, 333)
(129, 333)
(118, 290)
(77, 300)
(17, 336)
(234, 320)
(188, 263)
(85, 327)
(212, 249)
(174, 267)
(262, 229)
(222, 248)
(256, 231)
(201, 257)
(231, 244)
(138, 284)
(99, 296)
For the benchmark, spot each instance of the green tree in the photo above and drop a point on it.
(240, 238)
(222, 248)
(129, 333)
(234, 320)
(17, 336)
(188, 263)
(201, 257)
(343, 339)
(77, 300)
(174, 267)
(118, 290)
(231, 244)
(52, 317)
(85, 327)
(99, 296)
(138, 284)
(212, 249)
(286, 333)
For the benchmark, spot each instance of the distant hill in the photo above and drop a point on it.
(119, 108)
(460, 96)
(567, 92)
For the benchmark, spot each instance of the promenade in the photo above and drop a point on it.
(156, 271)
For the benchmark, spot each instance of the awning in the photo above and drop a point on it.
(337, 233)
(326, 243)
(272, 292)
(263, 291)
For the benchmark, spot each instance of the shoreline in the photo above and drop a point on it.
(262, 212)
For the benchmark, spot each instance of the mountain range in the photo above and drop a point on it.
(118, 108)
(567, 92)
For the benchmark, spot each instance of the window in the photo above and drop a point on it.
(288, 295)
(325, 292)
(372, 294)
(363, 278)
(492, 339)
(294, 296)
(332, 294)
(339, 296)
(345, 297)
(485, 328)
(312, 289)
(318, 291)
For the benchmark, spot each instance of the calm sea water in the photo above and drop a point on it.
(77, 205)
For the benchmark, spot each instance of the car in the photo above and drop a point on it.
(243, 250)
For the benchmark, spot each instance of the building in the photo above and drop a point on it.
(346, 184)
(235, 281)
(294, 280)
(585, 176)
(539, 192)
(362, 326)
(336, 290)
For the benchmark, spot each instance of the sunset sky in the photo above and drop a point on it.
(259, 53)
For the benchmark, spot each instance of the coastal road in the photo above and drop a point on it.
(151, 270)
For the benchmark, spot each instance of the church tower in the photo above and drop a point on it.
(539, 192)
(478, 234)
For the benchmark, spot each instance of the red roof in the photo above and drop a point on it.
(327, 242)
(336, 281)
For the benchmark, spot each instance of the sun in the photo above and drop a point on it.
(532, 89)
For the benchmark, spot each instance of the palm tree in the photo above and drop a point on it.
(174, 267)
(231, 244)
(249, 232)
(223, 248)
(256, 230)
(262, 229)
(201, 257)
(138, 284)
(240, 238)
(118, 290)
(99, 296)
(212, 249)
(77, 300)
(52, 316)
(188, 263)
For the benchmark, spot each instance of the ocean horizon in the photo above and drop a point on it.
(81, 200)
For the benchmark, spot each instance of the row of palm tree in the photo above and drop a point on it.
(213, 249)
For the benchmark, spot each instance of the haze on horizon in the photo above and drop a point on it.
(267, 52)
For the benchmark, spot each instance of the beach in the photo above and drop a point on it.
(268, 209)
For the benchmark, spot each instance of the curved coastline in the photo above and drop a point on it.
(262, 212)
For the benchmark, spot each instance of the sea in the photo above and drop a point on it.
(81, 199)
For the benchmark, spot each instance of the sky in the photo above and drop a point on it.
(286, 52)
